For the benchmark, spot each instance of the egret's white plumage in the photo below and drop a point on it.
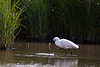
(64, 43)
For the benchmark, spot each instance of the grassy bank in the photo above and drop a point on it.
(9, 22)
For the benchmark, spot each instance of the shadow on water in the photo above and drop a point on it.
(38, 55)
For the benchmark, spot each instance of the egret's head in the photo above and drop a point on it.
(55, 39)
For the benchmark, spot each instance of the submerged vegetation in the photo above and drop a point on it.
(9, 22)
(77, 20)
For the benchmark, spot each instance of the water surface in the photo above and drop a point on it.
(39, 55)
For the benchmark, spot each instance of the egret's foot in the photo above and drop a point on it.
(71, 53)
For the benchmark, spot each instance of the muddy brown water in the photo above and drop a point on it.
(38, 55)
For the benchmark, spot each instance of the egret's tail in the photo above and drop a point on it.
(77, 46)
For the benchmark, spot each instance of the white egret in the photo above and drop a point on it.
(64, 43)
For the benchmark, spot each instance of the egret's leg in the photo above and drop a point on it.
(70, 51)
(65, 52)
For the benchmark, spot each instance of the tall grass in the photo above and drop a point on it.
(37, 14)
(74, 16)
(72, 19)
(76, 19)
(9, 22)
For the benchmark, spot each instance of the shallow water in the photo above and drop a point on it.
(39, 55)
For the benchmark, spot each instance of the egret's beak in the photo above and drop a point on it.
(52, 41)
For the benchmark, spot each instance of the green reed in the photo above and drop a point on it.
(37, 14)
(76, 19)
(9, 22)
(73, 19)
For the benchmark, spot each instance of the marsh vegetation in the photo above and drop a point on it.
(9, 22)
(77, 20)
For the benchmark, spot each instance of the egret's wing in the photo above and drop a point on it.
(68, 44)
(59, 44)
